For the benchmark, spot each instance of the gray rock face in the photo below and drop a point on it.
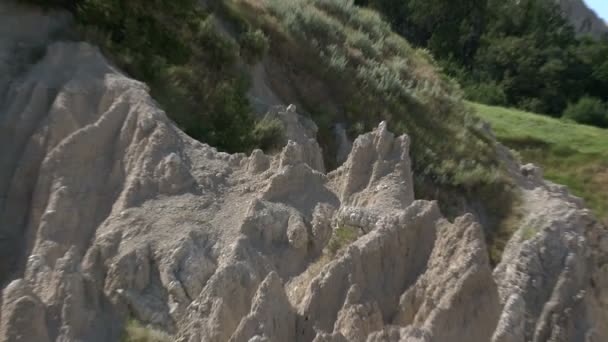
(584, 20)
(113, 213)
(300, 134)
(547, 275)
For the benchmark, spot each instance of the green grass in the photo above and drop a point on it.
(136, 332)
(571, 154)
(342, 237)
(529, 232)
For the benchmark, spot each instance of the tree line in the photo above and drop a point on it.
(520, 53)
(193, 69)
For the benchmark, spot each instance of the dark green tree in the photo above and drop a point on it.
(450, 29)
(588, 110)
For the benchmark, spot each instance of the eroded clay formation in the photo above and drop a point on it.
(109, 212)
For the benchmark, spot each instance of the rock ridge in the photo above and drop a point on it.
(113, 213)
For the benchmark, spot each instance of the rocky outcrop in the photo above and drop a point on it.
(377, 173)
(458, 272)
(547, 276)
(109, 212)
(300, 134)
(584, 20)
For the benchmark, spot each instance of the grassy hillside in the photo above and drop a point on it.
(571, 154)
(343, 64)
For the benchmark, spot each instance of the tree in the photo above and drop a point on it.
(520, 53)
(450, 29)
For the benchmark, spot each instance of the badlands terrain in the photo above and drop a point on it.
(109, 214)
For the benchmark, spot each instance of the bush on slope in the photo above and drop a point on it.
(193, 68)
(588, 110)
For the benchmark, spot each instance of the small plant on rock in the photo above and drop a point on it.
(136, 332)
(342, 237)
(528, 233)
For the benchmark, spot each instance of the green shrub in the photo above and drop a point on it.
(268, 134)
(335, 59)
(588, 110)
(532, 104)
(489, 93)
(216, 48)
(342, 237)
(254, 45)
(362, 42)
(314, 25)
(135, 332)
(341, 9)
(191, 65)
(371, 22)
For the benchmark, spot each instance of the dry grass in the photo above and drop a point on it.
(296, 287)
(341, 238)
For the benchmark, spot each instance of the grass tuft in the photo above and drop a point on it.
(136, 332)
(342, 237)
(528, 233)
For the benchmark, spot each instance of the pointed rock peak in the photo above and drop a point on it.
(377, 173)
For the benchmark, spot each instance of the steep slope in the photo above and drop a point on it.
(571, 154)
(552, 274)
(584, 19)
(117, 214)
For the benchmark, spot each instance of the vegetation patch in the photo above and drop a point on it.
(269, 134)
(570, 154)
(589, 111)
(498, 239)
(342, 237)
(136, 332)
(528, 233)
(190, 56)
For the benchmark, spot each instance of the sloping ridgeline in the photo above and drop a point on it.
(344, 64)
(341, 63)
